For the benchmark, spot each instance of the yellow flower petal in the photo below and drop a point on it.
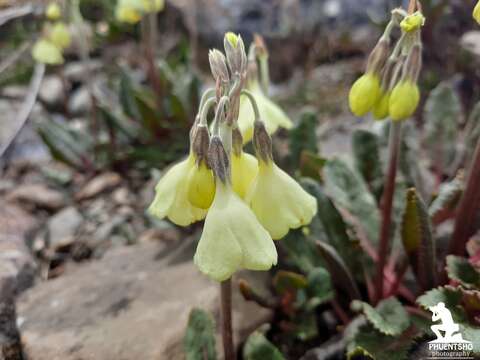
(404, 100)
(59, 35)
(232, 238)
(201, 186)
(279, 202)
(53, 11)
(364, 94)
(271, 114)
(171, 199)
(127, 14)
(244, 171)
(476, 12)
(412, 22)
(152, 5)
(45, 52)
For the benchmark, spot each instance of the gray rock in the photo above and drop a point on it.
(126, 306)
(123, 196)
(75, 71)
(38, 195)
(63, 226)
(52, 90)
(80, 101)
(470, 41)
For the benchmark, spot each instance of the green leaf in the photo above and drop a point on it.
(339, 270)
(199, 341)
(319, 287)
(311, 165)
(119, 124)
(418, 241)
(473, 130)
(460, 269)
(127, 97)
(365, 342)
(366, 153)
(335, 229)
(349, 191)
(443, 206)
(303, 137)
(443, 110)
(258, 347)
(287, 281)
(454, 298)
(300, 250)
(389, 317)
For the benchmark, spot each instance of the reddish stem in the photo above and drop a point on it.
(387, 205)
(467, 209)
(226, 318)
(342, 315)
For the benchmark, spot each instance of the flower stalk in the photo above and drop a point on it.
(226, 319)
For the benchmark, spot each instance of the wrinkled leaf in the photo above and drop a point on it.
(443, 111)
(303, 137)
(348, 190)
(258, 347)
(301, 251)
(199, 341)
(460, 269)
(443, 206)
(366, 153)
(418, 241)
(319, 287)
(389, 317)
(342, 276)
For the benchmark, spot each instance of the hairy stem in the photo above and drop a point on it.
(387, 205)
(226, 318)
(467, 209)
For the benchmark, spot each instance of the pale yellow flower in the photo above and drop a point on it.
(364, 94)
(232, 238)
(53, 11)
(476, 12)
(270, 113)
(244, 171)
(201, 186)
(171, 198)
(46, 52)
(59, 35)
(403, 100)
(279, 202)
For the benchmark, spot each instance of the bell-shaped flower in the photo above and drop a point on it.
(200, 186)
(171, 198)
(279, 202)
(476, 12)
(364, 94)
(244, 171)
(271, 114)
(53, 11)
(59, 35)
(46, 52)
(232, 238)
(403, 100)
(380, 110)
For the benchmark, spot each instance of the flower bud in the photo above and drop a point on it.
(476, 12)
(218, 65)
(364, 94)
(235, 51)
(53, 11)
(218, 160)
(200, 143)
(200, 186)
(380, 110)
(59, 35)
(47, 53)
(378, 56)
(412, 22)
(262, 142)
(403, 100)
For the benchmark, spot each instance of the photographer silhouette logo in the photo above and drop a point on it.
(449, 343)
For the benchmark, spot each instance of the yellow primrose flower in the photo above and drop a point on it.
(53, 11)
(364, 94)
(127, 12)
(59, 35)
(412, 22)
(476, 12)
(403, 100)
(232, 238)
(201, 186)
(244, 171)
(270, 113)
(380, 110)
(152, 5)
(279, 202)
(171, 198)
(46, 52)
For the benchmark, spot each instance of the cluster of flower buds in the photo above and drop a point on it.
(389, 86)
(132, 11)
(246, 201)
(54, 40)
(476, 12)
